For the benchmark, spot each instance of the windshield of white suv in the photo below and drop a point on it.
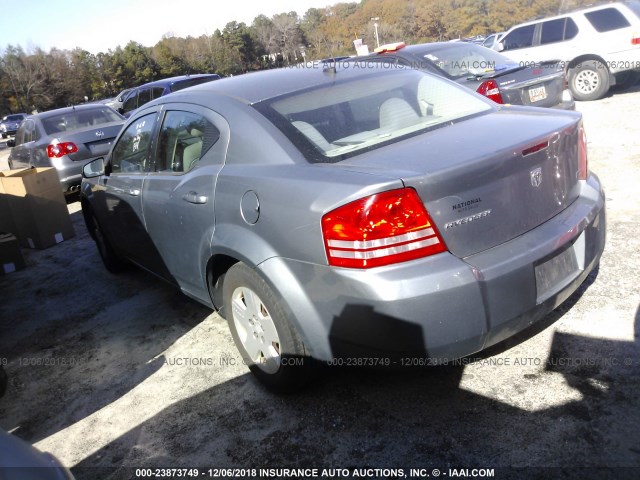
(331, 123)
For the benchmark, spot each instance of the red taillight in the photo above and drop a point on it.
(57, 150)
(535, 148)
(381, 229)
(490, 89)
(635, 40)
(582, 154)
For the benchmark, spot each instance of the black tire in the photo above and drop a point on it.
(112, 262)
(589, 80)
(279, 360)
(626, 80)
(3, 381)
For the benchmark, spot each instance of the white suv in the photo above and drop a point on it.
(599, 45)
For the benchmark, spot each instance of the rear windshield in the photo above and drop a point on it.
(462, 60)
(191, 82)
(78, 119)
(329, 123)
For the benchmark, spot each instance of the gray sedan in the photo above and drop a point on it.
(66, 138)
(351, 214)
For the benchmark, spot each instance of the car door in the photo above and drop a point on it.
(178, 195)
(518, 43)
(119, 196)
(21, 153)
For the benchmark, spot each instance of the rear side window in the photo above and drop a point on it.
(558, 30)
(131, 103)
(184, 138)
(520, 38)
(607, 19)
(144, 96)
(156, 92)
(191, 82)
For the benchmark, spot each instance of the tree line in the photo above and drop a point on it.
(40, 80)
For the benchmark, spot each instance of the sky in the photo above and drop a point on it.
(98, 26)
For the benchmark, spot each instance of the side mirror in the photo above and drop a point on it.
(11, 143)
(93, 169)
(499, 46)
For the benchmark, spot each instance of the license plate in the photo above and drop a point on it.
(537, 94)
(556, 273)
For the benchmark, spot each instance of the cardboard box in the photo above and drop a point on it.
(11, 258)
(37, 206)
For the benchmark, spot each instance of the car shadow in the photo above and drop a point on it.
(111, 348)
(418, 418)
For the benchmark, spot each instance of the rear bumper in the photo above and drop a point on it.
(567, 105)
(443, 307)
(69, 172)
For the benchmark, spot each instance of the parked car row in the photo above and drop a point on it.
(68, 138)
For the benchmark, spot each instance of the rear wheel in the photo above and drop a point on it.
(111, 261)
(262, 331)
(589, 80)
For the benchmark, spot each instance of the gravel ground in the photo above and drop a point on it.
(112, 373)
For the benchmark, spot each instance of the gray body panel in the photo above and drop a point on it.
(485, 288)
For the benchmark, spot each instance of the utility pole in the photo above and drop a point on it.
(375, 26)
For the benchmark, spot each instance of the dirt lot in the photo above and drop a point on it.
(110, 373)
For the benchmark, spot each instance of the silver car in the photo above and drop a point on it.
(357, 215)
(66, 138)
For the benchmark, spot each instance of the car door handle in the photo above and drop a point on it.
(193, 197)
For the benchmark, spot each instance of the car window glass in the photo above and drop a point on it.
(184, 138)
(607, 19)
(79, 118)
(191, 82)
(20, 134)
(520, 38)
(132, 150)
(335, 122)
(131, 103)
(156, 92)
(28, 131)
(570, 29)
(553, 31)
(144, 96)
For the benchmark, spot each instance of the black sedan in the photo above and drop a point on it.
(66, 138)
(485, 71)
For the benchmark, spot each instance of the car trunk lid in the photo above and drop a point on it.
(538, 86)
(489, 179)
(93, 141)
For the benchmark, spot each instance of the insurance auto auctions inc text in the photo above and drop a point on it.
(370, 472)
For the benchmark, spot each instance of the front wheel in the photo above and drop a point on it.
(262, 331)
(589, 80)
(111, 261)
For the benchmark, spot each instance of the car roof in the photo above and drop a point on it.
(578, 10)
